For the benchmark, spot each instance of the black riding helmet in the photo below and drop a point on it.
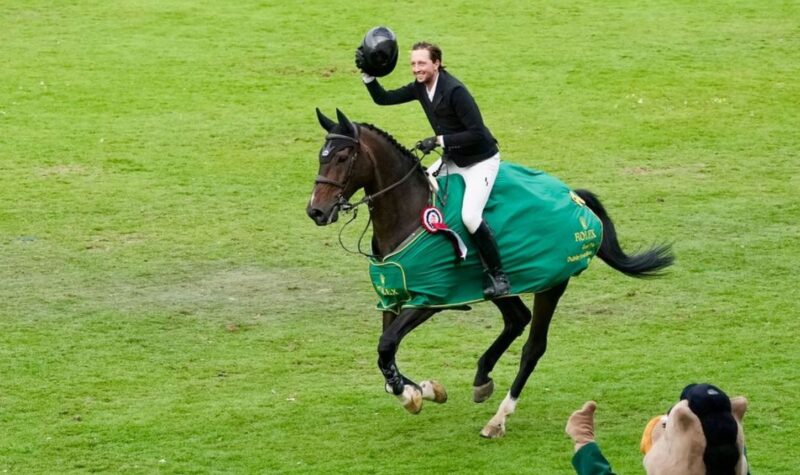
(380, 51)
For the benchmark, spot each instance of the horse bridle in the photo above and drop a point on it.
(341, 201)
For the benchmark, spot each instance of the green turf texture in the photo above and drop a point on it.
(166, 306)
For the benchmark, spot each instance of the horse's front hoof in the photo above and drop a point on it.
(411, 399)
(432, 390)
(493, 430)
(484, 392)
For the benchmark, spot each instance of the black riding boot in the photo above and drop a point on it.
(495, 282)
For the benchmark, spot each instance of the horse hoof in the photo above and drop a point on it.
(484, 392)
(432, 390)
(411, 399)
(493, 431)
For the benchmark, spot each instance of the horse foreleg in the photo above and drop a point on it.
(388, 318)
(409, 393)
(543, 308)
(433, 390)
(515, 317)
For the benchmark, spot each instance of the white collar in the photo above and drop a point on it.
(432, 91)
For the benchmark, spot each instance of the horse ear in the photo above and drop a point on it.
(325, 122)
(345, 123)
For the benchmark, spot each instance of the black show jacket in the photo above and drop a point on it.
(453, 114)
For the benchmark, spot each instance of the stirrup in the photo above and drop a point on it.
(496, 285)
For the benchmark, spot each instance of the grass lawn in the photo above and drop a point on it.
(167, 306)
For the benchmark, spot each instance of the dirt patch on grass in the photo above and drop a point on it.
(691, 169)
(63, 170)
(252, 292)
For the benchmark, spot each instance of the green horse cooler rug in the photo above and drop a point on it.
(544, 231)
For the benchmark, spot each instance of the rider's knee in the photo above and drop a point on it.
(472, 219)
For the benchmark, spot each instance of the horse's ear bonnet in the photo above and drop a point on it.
(325, 122)
(380, 51)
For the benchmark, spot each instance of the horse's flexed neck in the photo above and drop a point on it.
(363, 156)
(395, 214)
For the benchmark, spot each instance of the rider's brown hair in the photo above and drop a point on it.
(433, 50)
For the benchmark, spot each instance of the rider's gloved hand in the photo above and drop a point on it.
(427, 145)
(360, 61)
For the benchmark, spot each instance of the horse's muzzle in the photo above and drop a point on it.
(321, 217)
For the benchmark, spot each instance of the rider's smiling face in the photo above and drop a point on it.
(424, 70)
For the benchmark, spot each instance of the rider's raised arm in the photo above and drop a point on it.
(386, 98)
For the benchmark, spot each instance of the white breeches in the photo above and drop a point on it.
(478, 180)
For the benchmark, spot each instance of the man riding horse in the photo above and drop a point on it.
(470, 150)
(556, 230)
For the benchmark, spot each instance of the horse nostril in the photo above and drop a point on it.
(316, 214)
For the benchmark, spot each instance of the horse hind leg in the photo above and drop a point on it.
(516, 316)
(543, 308)
(496, 427)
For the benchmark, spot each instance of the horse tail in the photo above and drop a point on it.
(649, 263)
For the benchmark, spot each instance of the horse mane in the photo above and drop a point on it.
(406, 152)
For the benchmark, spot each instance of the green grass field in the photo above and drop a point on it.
(168, 307)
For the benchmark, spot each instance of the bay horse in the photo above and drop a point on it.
(396, 187)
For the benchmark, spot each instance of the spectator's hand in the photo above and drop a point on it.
(360, 61)
(580, 426)
(426, 146)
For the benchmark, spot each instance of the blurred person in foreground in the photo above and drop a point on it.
(700, 435)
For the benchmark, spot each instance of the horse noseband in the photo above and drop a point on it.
(327, 181)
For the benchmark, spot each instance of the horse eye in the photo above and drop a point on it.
(343, 157)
